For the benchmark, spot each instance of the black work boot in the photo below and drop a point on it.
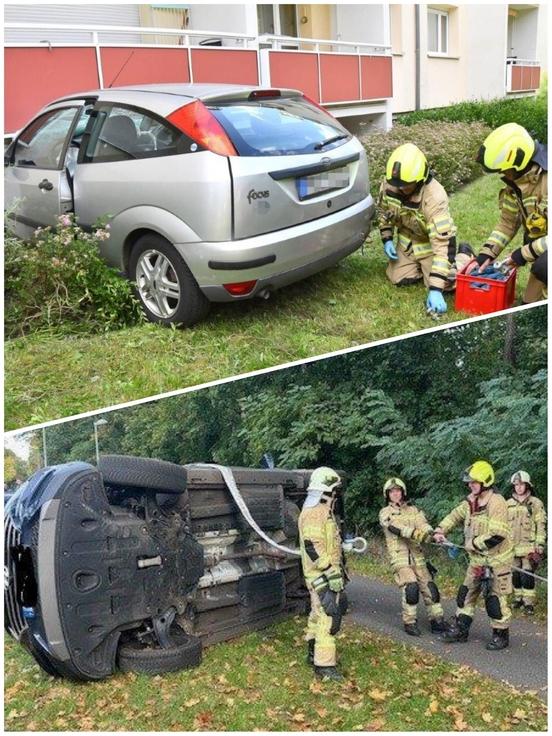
(529, 609)
(327, 673)
(517, 604)
(412, 629)
(466, 249)
(310, 651)
(438, 625)
(459, 630)
(500, 640)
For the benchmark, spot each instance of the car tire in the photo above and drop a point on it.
(142, 472)
(187, 653)
(190, 307)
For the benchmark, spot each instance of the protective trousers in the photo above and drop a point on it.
(524, 585)
(537, 284)
(496, 602)
(408, 269)
(413, 581)
(319, 625)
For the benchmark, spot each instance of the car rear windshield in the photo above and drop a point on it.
(279, 126)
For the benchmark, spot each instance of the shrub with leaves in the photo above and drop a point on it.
(450, 149)
(508, 429)
(531, 112)
(58, 279)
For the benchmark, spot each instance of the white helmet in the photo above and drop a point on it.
(323, 482)
(521, 476)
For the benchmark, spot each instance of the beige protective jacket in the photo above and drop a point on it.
(483, 519)
(319, 540)
(522, 203)
(424, 226)
(404, 518)
(527, 518)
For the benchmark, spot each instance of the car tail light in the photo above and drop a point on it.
(241, 288)
(199, 124)
(258, 94)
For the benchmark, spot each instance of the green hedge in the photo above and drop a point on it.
(59, 280)
(531, 112)
(450, 149)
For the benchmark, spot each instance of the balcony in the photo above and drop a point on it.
(349, 77)
(522, 75)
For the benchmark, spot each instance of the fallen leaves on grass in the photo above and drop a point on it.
(378, 695)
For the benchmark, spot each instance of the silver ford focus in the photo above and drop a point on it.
(214, 193)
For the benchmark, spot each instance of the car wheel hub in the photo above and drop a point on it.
(157, 283)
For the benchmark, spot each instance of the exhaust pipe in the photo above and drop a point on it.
(264, 294)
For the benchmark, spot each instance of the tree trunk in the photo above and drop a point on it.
(509, 341)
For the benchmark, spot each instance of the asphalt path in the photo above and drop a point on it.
(377, 606)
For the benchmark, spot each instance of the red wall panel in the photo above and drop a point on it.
(297, 71)
(225, 66)
(377, 77)
(525, 77)
(340, 80)
(516, 77)
(34, 77)
(126, 65)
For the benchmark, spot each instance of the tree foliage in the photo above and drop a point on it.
(422, 407)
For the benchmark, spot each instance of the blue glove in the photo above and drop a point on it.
(390, 250)
(435, 302)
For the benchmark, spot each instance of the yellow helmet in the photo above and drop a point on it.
(508, 147)
(394, 483)
(480, 472)
(521, 476)
(406, 165)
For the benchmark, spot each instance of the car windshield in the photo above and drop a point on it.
(279, 127)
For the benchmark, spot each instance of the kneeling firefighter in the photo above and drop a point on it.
(321, 556)
(405, 527)
(412, 202)
(488, 541)
(527, 518)
(523, 162)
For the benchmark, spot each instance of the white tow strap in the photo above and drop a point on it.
(228, 477)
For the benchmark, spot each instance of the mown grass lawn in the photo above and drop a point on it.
(261, 682)
(375, 564)
(52, 375)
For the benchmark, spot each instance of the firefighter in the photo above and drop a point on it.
(488, 540)
(321, 556)
(523, 202)
(405, 528)
(527, 518)
(413, 203)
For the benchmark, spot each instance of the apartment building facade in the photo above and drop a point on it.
(365, 62)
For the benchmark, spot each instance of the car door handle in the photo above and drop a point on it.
(45, 184)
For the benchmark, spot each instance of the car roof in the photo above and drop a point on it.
(162, 95)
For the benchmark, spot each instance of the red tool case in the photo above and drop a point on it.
(479, 295)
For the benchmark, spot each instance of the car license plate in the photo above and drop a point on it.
(311, 186)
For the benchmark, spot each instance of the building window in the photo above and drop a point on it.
(437, 31)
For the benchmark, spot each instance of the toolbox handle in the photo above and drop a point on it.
(481, 287)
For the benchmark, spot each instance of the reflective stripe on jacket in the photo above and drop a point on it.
(404, 518)
(424, 226)
(319, 540)
(528, 521)
(522, 203)
(488, 520)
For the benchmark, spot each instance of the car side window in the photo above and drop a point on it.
(42, 142)
(127, 133)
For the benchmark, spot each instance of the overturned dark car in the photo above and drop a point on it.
(139, 563)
